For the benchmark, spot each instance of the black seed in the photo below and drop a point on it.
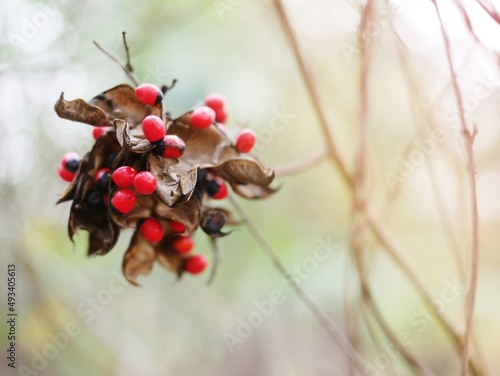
(212, 187)
(94, 199)
(160, 147)
(72, 165)
(102, 183)
(159, 97)
(214, 223)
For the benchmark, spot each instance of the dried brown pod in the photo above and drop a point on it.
(180, 193)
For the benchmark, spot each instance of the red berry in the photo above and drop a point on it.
(124, 176)
(221, 115)
(145, 183)
(148, 94)
(222, 191)
(124, 200)
(202, 117)
(153, 128)
(98, 132)
(177, 226)
(152, 230)
(65, 174)
(196, 264)
(174, 147)
(215, 101)
(183, 244)
(246, 140)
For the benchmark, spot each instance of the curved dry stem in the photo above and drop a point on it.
(365, 310)
(393, 249)
(332, 148)
(445, 222)
(469, 148)
(126, 68)
(320, 315)
(303, 165)
(379, 230)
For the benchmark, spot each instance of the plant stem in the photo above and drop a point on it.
(297, 167)
(320, 315)
(469, 149)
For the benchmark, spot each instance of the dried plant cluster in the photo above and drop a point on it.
(181, 202)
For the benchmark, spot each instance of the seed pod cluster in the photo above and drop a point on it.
(157, 175)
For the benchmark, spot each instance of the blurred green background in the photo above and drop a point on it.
(238, 48)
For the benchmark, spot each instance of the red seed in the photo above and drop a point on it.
(98, 132)
(100, 173)
(153, 128)
(245, 140)
(215, 101)
(124, 176)
(196, 264)
(221, 115)
(174, 147)
(177, 226)
(148, 94)
(65, 174)
(145, 183)
(183, 244)
(152, 230)
(223, 191)
(202, 117)
(70, 162)
(124, 200)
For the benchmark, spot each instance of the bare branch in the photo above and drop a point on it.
(127, 69)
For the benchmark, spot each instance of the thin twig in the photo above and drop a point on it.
(127, 52)
(216, 260)
(297, 167)
(313, 93)
(442, 212)
(320, 315)
(394, 250)
(130, 74)
(490, 9)
(469, 148)
(379, 230)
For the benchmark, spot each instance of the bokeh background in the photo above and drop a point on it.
(238, 48)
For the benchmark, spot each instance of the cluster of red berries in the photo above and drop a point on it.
(156, 174)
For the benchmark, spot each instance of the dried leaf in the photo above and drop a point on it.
(252, 191)
(188, 213)
(81, 111)
(244, 171)
(169, 258)
(120, 102)
(138, 259)
(175, 185)
(103, 240)
(204, 147)
(131, 139)
(143, 209)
